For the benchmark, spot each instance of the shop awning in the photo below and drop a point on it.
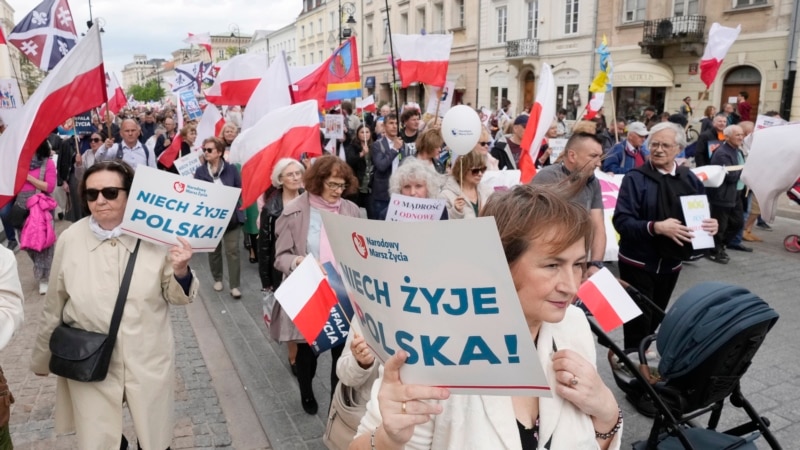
(642, 73)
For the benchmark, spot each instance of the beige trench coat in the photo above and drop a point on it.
(84, 282)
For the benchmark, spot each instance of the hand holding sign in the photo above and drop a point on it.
(179, 256)
(675, 230)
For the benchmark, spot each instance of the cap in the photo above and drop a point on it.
(638, 128)
(521, 119)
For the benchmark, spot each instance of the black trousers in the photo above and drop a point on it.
(656, 287)
(730, 219)
(306, 362)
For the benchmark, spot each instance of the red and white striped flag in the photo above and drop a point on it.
(307, 298)
(210, 124)
(74, 86)
(202, 39)
(594, 105)
(543, 112)
(116, 96)
(237, 79)
(607, 300)
(366, 104)
(720, 40)
(286, 132)
(422, 58)
(170, 154)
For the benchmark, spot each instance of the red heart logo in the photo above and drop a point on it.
(179, 187)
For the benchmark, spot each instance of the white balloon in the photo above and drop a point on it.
(461, 129)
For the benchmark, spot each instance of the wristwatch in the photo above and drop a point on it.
(598, 264)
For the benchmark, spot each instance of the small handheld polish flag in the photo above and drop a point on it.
(607, 300)
(307, 298)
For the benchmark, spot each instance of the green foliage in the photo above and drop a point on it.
(30, 77)
(150, 91)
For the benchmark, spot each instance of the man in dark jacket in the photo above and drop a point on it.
(384, 153)
(507, 153)
(709, 140)
(726, 200)
(628, 154)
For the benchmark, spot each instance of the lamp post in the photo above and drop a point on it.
(235, 33)
(348, 8)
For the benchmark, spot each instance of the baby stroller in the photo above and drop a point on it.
(707, 342)
(792, 242)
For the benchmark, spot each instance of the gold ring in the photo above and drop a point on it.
(574, 381)
(404, 407)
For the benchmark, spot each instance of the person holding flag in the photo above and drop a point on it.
(299, 233)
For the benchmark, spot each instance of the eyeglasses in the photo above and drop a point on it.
(478, 170)
(484, 144)
(297, 174)
(336, 186)
(97, 140)
(657, 145)
(109, 193)
(209, 149)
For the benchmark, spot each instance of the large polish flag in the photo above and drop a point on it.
(170, 154)
(307, 298)
(210, 124)
(116, 96)
(74, 86)
(720, 40)
(237, 79)
(202, 39)
(543, 112)
(607, 300)
(422, 57)
(286, 132)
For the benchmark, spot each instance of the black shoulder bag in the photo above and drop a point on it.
(84, 355)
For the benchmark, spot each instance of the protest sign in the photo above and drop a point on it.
(334, 126)
(462, 327)
(500, 180)
(695, 209)
(609, 185)
(403, 208)
(336, 329)
(556, 148)
(83, 123)
(443, 95)
(763, 121)
(187, 164)
(191, 105)
(163, 206)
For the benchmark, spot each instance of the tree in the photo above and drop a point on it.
(31, 76)
(150, 91)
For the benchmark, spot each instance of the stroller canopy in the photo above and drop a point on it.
(702, 320)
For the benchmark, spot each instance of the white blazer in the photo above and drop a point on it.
(488, 422)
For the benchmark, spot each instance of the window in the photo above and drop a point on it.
(311, 57)
(502, 24)
(686, 7)
(385, 36)
(420, 25)
(438, 18)
(311, 28)
(304, 60)
(320, 26)
(369, 40)
(533, 19)
(404, 23)
(741, 3)
(221, 54)
(460, 13)
(320, 55)
(571, 17)
(635, 11)
(302, 31)
(568, 97)
(333, 20)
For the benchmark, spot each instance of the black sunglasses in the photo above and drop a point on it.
(478, 170)
(109, 193)
(97, 140)
(209, 150)
(484, 143)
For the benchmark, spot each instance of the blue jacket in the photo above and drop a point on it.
(634, 218)
(725, 195)
(229, 175)
(618, 161)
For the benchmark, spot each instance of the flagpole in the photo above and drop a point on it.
(391, 52)
(614, 116)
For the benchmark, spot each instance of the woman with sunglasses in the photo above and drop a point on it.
(299, 232)
(463, 192)
(90, 258)
(483, 146)
(96, 140)
(216, 170)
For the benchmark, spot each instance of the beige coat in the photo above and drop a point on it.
(451, 191)
(84, 282)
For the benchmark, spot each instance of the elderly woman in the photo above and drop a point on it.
(90, 258)
(463, 192)
(482, 147)
(95, 142)
(299, 232)
(654, 238)
(228, 135)
(287, 185)
(429, 146)
(216, 170)
(545, 239)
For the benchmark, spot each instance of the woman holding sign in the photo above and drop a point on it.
(545, 238)
(299, 232)
(216, 170)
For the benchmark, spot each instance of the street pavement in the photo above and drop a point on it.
(771, 384)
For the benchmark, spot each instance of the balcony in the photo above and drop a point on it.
(686, 31)
(522, 48)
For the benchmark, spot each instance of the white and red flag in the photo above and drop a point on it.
(307, 298)
(422, 57)
(46, 34)
(286, 132)
(73, 87)
(237, 79)
(720, 40)
(542, 114)
(116, 96)
(366, 104)
(170, 154)
(607, 300)
(273, 91)
(594, 105)
(202, 39)
(210, 124)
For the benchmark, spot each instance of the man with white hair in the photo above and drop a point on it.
(726, 200)
(628, 154)
(129, 150)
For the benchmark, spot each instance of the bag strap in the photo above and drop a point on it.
(116, 318)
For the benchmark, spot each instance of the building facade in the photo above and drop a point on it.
(282, 40)
(313, 44)
(140, 71)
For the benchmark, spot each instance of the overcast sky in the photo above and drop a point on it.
(157, 27)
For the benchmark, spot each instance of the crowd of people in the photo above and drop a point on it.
(557, 217)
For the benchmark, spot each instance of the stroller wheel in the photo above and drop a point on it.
(792, 243)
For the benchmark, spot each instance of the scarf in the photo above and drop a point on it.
(214, 176)
(325, 251)
(102, 234)
(36, 163)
